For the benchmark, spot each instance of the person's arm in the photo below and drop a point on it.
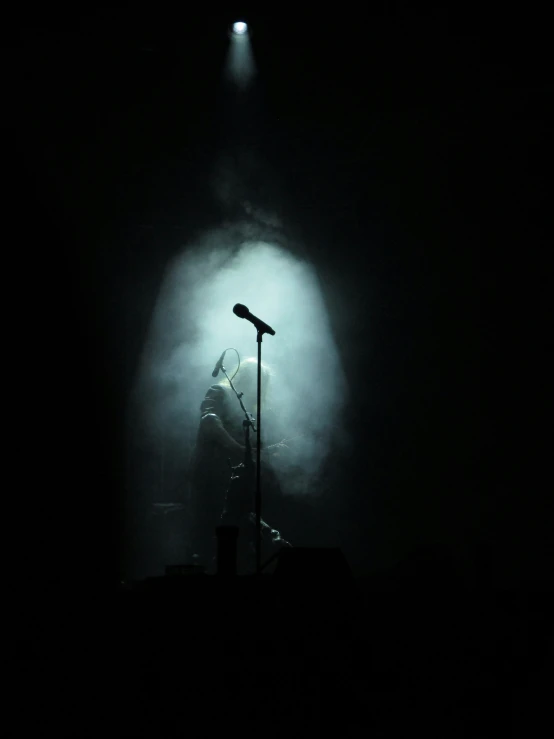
(213, 429)
(211, 424)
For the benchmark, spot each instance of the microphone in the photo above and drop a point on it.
(242, 312)
(219, 364)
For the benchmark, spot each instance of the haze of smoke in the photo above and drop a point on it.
(240, 67)
(193, 323)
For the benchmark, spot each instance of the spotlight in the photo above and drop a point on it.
(240, 28)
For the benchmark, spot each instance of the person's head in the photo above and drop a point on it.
(246, 379)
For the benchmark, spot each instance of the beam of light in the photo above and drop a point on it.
(240, 67)
(193, 322)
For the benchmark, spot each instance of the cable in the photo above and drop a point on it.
(232, 348)
(238, 357)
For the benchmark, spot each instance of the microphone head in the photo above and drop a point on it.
(240, 310)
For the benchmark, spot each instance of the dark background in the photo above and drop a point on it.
(409, 156)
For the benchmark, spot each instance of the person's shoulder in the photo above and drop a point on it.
(215, 402)
(216, 394)
(216, 391)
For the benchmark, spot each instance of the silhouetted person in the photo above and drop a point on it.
(220, 445)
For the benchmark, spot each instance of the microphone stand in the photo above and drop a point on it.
(258, 506)
(248, 424)
(248, 458)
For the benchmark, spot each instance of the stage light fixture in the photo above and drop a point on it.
(240, 28)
